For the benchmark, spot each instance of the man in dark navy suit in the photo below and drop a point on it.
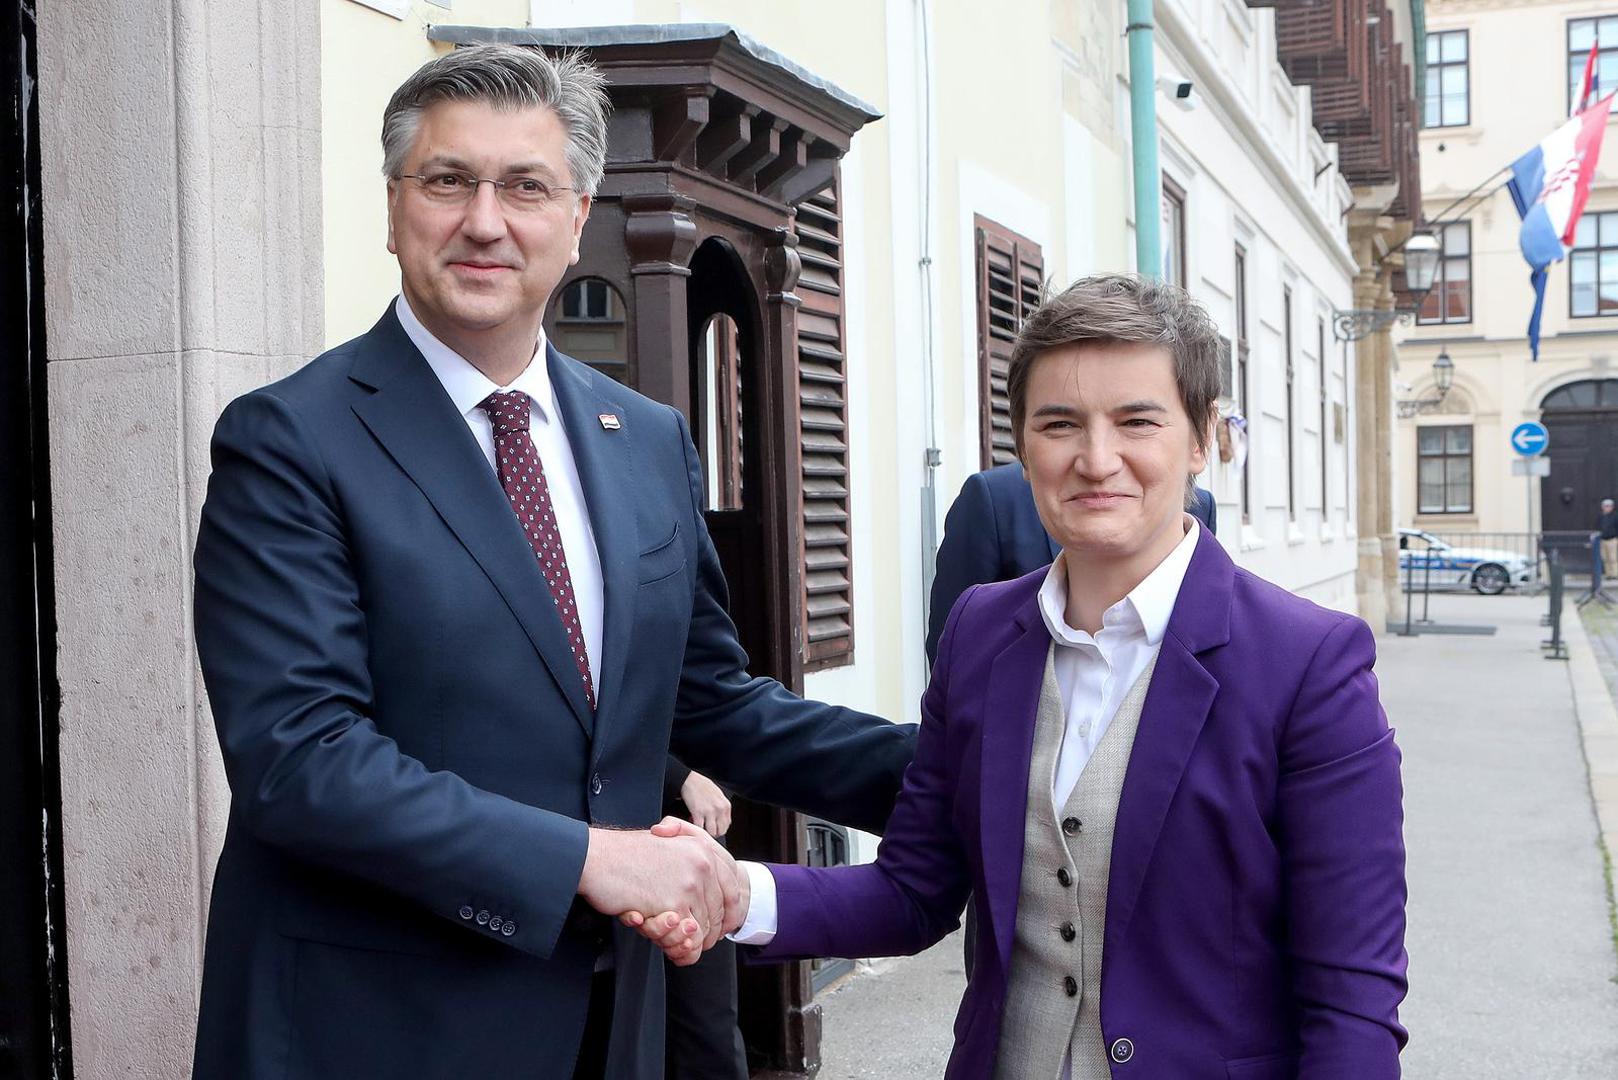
(455, 606)
(992, 533)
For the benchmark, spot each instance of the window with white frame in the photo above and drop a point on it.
(1593, 266)
(1448, 96)
(1444, 469)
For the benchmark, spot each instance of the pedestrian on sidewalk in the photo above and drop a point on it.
(1607, 526)
(1143, 750)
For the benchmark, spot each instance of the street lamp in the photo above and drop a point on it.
(1443, 378)
(1421, 255)
(1421, 262)
(1444, 372)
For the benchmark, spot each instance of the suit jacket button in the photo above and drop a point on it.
(466, 912)
(1071, 825)
(1064, 877)
(496, 923)
(483, 917)
(1068, 932)
(595, 784)
(1122, 1050)
(508, 928)
(1071, 985)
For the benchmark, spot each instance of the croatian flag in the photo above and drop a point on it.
(1591, 83)
(1550, 185)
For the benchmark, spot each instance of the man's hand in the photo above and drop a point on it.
(676, 868)
(677, 936)
(710, 810)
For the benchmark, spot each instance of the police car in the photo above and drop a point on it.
(1423, 557)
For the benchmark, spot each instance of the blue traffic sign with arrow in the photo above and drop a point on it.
(1530, 438)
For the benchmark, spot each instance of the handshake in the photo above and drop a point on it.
(674, 883)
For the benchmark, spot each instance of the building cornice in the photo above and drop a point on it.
(1438, 9)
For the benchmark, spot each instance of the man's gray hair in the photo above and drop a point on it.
(507, 77)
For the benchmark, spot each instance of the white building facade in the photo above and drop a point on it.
(1254, 226)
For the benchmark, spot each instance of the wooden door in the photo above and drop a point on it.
(1582, 419)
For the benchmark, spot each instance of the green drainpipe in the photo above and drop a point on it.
(1143, 130)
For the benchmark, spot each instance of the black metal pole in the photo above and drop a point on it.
(1407, 572)
(1438, 218)
(1426, 586)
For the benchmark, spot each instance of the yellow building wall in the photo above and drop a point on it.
(364, 56)
(1518, 83)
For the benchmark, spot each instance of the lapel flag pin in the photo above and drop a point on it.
(609, 421)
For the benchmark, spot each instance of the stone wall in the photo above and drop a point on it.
(181, 158)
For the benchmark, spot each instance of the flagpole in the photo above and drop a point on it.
(1439, 217)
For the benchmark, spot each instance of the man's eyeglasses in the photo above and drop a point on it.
(451, 188)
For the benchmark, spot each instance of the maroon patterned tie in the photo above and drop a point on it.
(523, 477)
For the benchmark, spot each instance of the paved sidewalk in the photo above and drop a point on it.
(1511, 954)
(1513, 969)
(895, 1021)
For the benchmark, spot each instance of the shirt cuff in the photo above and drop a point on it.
(760, 924)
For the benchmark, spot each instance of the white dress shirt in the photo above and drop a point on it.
(1094, 673)
(467, 387)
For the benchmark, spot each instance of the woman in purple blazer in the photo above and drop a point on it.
(1167, 784)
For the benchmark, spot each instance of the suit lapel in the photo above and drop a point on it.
(1010, 705)
(604, 460)
(1177, 703)
(415, 421)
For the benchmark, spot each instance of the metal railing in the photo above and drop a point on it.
(1572, 546)
(1523, 544)
(1555, 648)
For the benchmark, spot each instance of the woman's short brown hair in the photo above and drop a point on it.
(1124, 308)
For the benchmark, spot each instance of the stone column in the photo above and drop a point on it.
(1387, 485)
(1372, 235)
(1369, 474)
(181, 162)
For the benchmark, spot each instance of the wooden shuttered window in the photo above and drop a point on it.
(828, 553)
(1010, 278)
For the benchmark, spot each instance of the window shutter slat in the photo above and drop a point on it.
(828, 580)
(1010, 281)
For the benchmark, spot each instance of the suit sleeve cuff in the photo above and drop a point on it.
(759, 927)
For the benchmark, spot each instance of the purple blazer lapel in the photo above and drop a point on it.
(1172, 717)
(1010, 705)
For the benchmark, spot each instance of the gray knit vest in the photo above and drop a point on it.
(1053, 1000)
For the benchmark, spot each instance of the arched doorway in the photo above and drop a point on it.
(1582, 418)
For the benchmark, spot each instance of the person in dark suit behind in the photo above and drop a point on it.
(455, 606)
(703, 1040)
(992, 533)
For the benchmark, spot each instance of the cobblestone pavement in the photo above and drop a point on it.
(1513, 970)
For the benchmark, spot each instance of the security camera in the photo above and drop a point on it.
(1178, 88)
